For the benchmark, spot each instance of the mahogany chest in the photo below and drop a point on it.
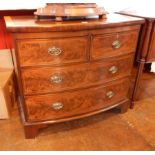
(72, 69)
(146, 48)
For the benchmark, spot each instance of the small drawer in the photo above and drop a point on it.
(56, 79)
(70, 104)
(52, 51)
(104, 46)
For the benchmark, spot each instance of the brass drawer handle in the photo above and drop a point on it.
(110, 94)
(56, 79)
(113, 69)
(54, 51)
(57, 105)
(116, 44)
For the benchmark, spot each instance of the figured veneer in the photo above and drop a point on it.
(69, 104)
(151, 50)
(52, 51)
(72, 69)
(54, 79)
(104, 46)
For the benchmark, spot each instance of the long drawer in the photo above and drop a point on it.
(53, 79)
(69, 104)
(104, 46)
(33, 52)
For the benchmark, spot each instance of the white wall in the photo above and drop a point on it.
(5, 59)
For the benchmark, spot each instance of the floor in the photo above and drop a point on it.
(134, 130)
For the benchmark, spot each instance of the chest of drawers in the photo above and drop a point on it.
(146, 48)
(72, 69)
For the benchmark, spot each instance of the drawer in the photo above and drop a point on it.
(70, 104)
(104, 46)
(53, 79)
(52, 51)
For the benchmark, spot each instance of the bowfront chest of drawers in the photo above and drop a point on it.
(72, 69)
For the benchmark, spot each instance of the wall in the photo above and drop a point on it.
(7, 5)
(6, 42)
(5, 59)
(5, 45)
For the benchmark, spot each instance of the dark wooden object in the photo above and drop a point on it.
(60, 11)
(146, 48)
(72, 69)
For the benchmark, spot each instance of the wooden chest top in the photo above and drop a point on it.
(29, 24)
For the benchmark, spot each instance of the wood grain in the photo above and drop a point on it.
(80, 33)
(151, 52)
(146, 46)
(84, 66)
(37, 80)
(35, 51)
(102, 44)
(39, 107)
(28, 24)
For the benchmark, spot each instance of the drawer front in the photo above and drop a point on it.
(53, 79)
(52, 51)
(69, 104)
(104, 46)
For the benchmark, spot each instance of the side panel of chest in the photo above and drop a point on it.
(151, 50)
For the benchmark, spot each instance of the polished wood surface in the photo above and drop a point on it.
(81, 83)
(80, 33)
(34, 52)
(57, 11)
(39, 80)
(31, 25)
(147, 35)
(41, 108)
(151, 53)
(103, 45)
